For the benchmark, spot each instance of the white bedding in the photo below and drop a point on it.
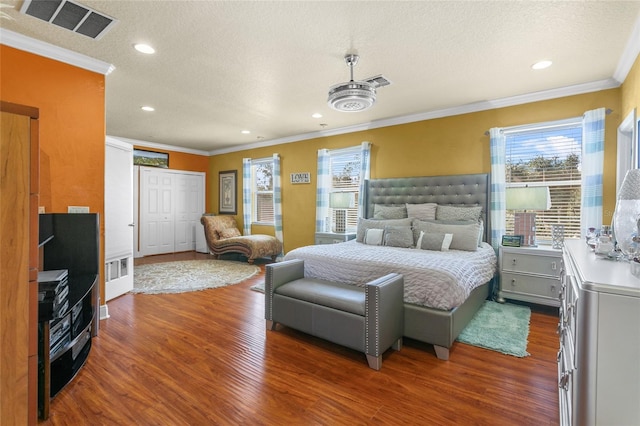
(440, 280)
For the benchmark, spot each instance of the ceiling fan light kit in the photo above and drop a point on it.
(352, 96)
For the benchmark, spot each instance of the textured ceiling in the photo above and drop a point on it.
(226, 66)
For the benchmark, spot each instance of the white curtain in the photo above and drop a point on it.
(498, 185)
(365, 174)
(277, 202)
(322, 191)
(246, 195)
(592, 168)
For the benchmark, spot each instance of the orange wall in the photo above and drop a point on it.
(450, 145)
(71, 101)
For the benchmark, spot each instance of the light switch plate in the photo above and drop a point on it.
(77, 209)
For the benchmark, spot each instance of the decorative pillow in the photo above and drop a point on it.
(465, 233)
(389, 212)
(374, 237)
(458, 213)
(426, 211)
(229, 233)
(434, 241)
(364, 224)
(398, 236)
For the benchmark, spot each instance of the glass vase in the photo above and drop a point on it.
(626, 217)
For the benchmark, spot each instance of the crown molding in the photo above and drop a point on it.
(577, 89)
(41, 48)
(629, 54)
(154, 145)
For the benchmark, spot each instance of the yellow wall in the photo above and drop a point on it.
(450, 145)
(71, 101)
(631, 90)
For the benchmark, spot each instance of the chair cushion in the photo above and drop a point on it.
(344, 297)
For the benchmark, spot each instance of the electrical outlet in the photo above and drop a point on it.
(40, 209)
(77, 209)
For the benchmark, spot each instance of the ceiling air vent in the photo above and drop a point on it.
(70, 15)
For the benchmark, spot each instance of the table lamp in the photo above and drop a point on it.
(527, 198)
(340, 201)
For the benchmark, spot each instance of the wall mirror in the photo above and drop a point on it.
(628, 147)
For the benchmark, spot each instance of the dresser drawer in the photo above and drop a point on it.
(530, 284)
(532, 263)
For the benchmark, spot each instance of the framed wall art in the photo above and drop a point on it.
(142, 157)
(227, 189)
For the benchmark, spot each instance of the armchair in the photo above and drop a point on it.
(223, 236)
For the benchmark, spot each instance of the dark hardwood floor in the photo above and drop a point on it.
(204, 358)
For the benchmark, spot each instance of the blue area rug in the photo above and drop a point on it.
(500, 327)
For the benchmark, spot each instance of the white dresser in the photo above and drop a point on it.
(599, 357)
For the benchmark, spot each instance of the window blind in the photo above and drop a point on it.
(548, 154)
(345, 177)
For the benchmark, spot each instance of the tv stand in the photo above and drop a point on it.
(65, 337)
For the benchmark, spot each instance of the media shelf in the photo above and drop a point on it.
(65, 336)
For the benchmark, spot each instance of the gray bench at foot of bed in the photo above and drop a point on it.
(368, 319)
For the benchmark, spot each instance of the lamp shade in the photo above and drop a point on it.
(528, 198)
(342, 200)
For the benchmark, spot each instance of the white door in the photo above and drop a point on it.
(183, 231)
(118, 218)
(157, 234)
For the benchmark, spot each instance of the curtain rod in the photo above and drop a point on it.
(607, 112)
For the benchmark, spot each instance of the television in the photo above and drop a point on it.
(45, 230)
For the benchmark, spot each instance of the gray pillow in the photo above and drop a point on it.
(389, 212)
(398, 236)
(435, 241)
(419, 225)
(465, 236)
(426, 211)
(364, 224)
(458, 213)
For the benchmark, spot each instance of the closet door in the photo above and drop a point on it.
(157, 223)
(189, 189)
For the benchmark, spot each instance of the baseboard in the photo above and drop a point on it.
(104, 312)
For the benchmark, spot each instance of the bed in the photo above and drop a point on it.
(458, 281)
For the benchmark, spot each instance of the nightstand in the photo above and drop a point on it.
(332, 237)
(530, 274)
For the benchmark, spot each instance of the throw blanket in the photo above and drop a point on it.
(441, 280)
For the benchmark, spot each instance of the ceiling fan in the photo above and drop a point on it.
(354, 96)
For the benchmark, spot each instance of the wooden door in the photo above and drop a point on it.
(18, 264)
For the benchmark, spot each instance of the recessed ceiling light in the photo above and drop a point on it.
(147, 108)
(541, 65)
(317, 115)
(144, 48)
(245, 132)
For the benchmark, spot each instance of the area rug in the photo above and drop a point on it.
(189, 275)
(501, 327)
(258, 287)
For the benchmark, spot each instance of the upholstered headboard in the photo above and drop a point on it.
(453, 190)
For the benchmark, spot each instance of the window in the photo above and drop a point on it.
(345, 167)
(547, 154)
(262, 191)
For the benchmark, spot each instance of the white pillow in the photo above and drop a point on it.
(373, 237)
